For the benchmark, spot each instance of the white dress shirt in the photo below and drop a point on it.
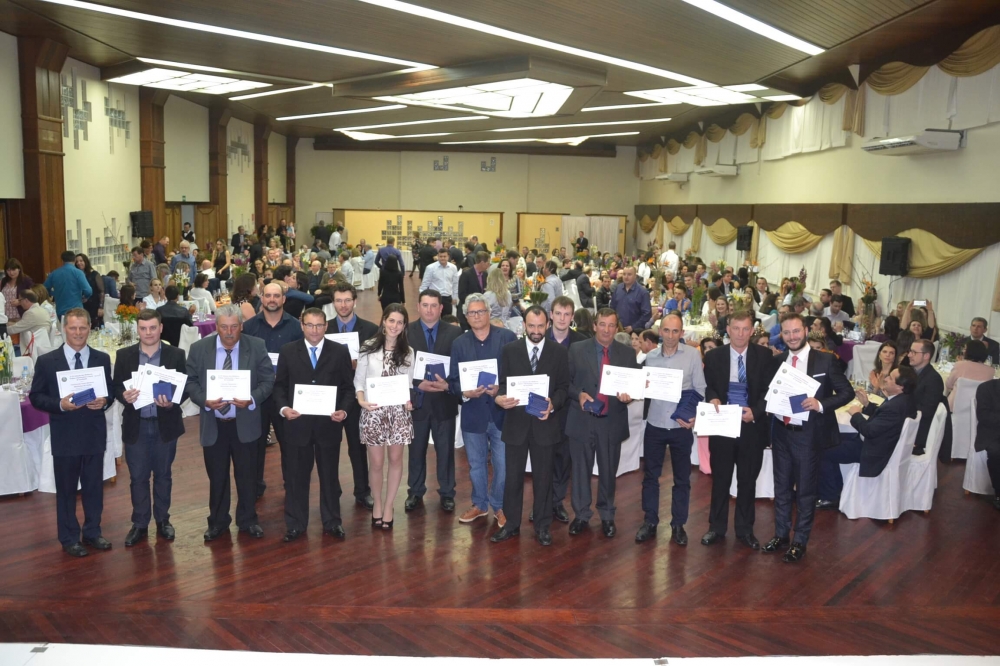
(801, 363)
(532, 346)
(440, 278)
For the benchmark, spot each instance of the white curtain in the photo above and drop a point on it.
(776, 264)
(570, 227)
(930, 104)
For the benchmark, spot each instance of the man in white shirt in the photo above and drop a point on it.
(835, 312)
(346, 268)
(442, 277)
(669, 259)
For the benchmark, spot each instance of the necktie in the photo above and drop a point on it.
(227, 365)
(79, 362)
(343, 327)
(603, 399)
(480, 276)
(741, 370)
(534, 359)
(430, 339)
(795, 361)
(312, 352)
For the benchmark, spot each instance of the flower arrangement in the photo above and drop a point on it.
(802, 276)
(697, 302)
(739, 301)
(870, 295)
(6, 361)
(182, 278)
(127, 313)
(239, 267)
(954, 343)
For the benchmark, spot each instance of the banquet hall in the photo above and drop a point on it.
(843, 152)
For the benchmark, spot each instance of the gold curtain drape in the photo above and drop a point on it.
(929, 255)
(978, 54)
(842, 261)
(832, 92)
(660, 225)
(744, 123)
(894, 78)
(696, 235)
(677, 226)
(755, 244)
(715, 134)
(793, 238)
(673, 147)
(647, 224)
(721, 232)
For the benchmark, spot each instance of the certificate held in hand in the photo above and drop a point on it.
(725, 422)
(387, 391)
(315, 400)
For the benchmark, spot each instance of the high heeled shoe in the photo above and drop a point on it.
(376, 522)
(387, 524)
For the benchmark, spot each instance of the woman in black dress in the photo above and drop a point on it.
(221, 260)
(95, 304)
(390, 283)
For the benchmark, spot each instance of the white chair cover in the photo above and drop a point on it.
(515, 324)
(18, 471)
(370, 280)
(358, 264)
(769, 321)
(110, 306)
(962, 417)
(189, 336)
(570, 289)
(765, 480)
(977, 476)
(864, 360)
(330, 312)
(47, 475)
(631, 447)
(114, 419)
(879, 497)
(40, 344)
(55, 337)
(918, 474)
(20, 362)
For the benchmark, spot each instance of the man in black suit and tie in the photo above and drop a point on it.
(435, 409)
(581, 244)
(848, 304)
(315, 361)
(798, 444)
(472, 281)
(739, 362)
(149, 433)
(524, 434)
(761, 292)
(928, 395)
(597, 424)
(79, 435)
(345, 296)
(977, 331)
(240, 241)
(229, 428)
(876, 436)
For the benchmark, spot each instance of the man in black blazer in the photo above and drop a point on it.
(345, 296)
(240, 241)
(928, 395)
(988, 432)
(149, 433)
(876, 437)
(173, 316)
(745, 453)
(435, 409)
(427, 256)
(79, 435)
(592, 434)
(798, 444)
(472, 281)
(315, 361)
(455, 254)
(524, 434)
(977, 331)
(848, 305)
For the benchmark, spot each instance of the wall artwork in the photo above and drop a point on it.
(442, 165)
(491, 167)
(119, 126)
(106, 253)
(74, 99)
(239, 149)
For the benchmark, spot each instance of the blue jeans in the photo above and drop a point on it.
(655, 443)
(478, 448)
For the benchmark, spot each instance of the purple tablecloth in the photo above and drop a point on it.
(846, 350)
(206, 327)
(31, 418)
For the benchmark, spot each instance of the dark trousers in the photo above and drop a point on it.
(150, 455)
(357, 452)
(655, 443)
(516, 459)
(300, 466)
(87, 472)
(562, 468)
(600, 444)
(746, 456)
(244, 456)
(796, 481)
(831, 481)
(268, 417)
(445, 305)
(444, 447)
(993, 467)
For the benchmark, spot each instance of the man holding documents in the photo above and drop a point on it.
(151, 422)
(672, 368)
(804, 394)
(735, 375)
(229, 377)
(313, 390)
(602, 372)
(71, 384)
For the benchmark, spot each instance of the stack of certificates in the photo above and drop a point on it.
(788, 389)
(152, 381)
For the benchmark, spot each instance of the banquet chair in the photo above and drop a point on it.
(879, 497)
(765, 480)
(864, 360)
(977, 476)
(570, 289)
(962, 417)
(189, 335)
(918, 474)
(110, 305)
(17, 367)
(769, 321)
(18, 472)
(370, 280)
(330, 312)
(39, 344)
(358, 264)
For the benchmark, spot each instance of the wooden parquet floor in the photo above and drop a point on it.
(432, 587)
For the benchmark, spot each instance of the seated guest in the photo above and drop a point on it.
(817, 341)
(880, 433)
(200, 293)
(34, 319)
(760, 338)
(648, 341)
(127, 296)
(886, 360)
(583, 322)
(972, 366)
(604, 292)
(720, 318)
(769, 306)
(823, 325)
(156, 297)
(45, 302)
(173, 315)
(988, 433)
(928, 395)
(977, 331)
(706, 345)
(925, 316)
(111, 284)
(679, 302)
(296, 298)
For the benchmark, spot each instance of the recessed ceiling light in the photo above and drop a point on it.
(710, 96)
(626, 106)
(183, 65)
(782, 98)
(370, 136)
(615, 122)
(571, 140)
(412, 122)
(746, 87)
(276, 92)
(171, 79)
(460, 22)
(516, 98)
(348, 112)
(752, 24)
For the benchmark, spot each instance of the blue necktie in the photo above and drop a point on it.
(312, 352)
(343, 327)
(430, 340)
(79, 362)
(741, 370)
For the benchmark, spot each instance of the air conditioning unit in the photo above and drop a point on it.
(673, 177)
(928, 141)
(718, 170)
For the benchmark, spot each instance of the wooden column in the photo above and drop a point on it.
(152, 164)
(261, 133)
(291, 141)
(38, 222)
(218, 170)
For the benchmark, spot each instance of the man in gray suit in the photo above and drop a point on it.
(230, 428)
(597, 424)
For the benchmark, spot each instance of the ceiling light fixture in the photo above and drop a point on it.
(571, 140)
(276, 92)
(460, 22)
(752, 24)
(701, 96)
(370, 136)
(172, 79)
(626, 106)
(614, 122)
(412, 122)
(347, 112)
(782, 98)
(516, 98)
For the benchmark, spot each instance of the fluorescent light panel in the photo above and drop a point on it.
(614, 107)
(516, 98)
(572, 140)
(370, 136)
(171, 79)
(412, 122)
(276, 92)
(782, 98)
(348, 112)
(614, 122)
(752, 24)
(708, 96)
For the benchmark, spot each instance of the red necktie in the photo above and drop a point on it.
(603, 399)
(480, 276)
(795, 360)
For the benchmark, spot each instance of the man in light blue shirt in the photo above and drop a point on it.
(184, 257)
(369, 258)
(67, 285)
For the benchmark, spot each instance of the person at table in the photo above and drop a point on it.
(94, 305)
(156, 297)
(141, 272)
(200, 294)
(550, 284)
(149, 433)
(435, 408)
(876, 437)
(972, 366)
(34, 319)
(825, 327)
(664, 433)
(525, 434)
(798, 444)
(312, 360)
(591, 433)
(988, 432)
(847, 303)
(173, 315)
(276, 328)
(886, 360)
(680, 302)
(927, 396)
(78, 433)
(390, 283)
(835, 311)
(222, 260)
(498, 297)
(13, 284)
(244, 294)
(185, 260)
(977, 331)
(230, 429)
(604, 292)
(482, 420)
(737, 362)
(441, 277)
(924, 317)
(385, 430)
(720, 317)
(297, 296)
(630, 301)
(68, 285)
(240, 241)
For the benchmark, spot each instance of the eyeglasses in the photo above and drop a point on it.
(913, 351)
(314, 326)
(475, 313)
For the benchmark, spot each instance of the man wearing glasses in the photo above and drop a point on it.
(928, 395)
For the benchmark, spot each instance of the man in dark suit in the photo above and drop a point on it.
(426, 256)
(798, 444)
(977, 331)
(435, 409)
(530, 265)
(111, 285)
(928, 395)
(345, 297)
(581, 243)
(240, 241)
(593, 433)
(876, 437)
(230, 428)
(149, 433)
(762, 290)
(988, 432)
(848, 305)
(524, 434)
(742, 363)
(79, 435)
(472, 281)
(173, 315)
(585, 289)
(315, 361)
(323, 232)
(455, 254)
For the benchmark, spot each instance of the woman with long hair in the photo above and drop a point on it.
(720, 318)
(244, 293)
(823, 325)
(45, 301)
(515, 285)
(498, 296)
(583, 321)
(95, 304)
(126, 296)
(886, 360)
(390, 283)
(13, 283)
(389, 428)
(221, 260)
(156, 297)
(972, 366)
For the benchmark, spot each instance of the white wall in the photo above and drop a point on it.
(277, 176)
(11, 145)
(240, 180)
(185, 131)
(101, 170)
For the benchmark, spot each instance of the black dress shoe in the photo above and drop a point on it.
(559, 513)
(135, 535)
(710, 538)
(213, 533)
(544, 537)
(750, 541)
(795, 553)
(412, 502)
(775, 544)
(505, 533)
(76, 550)
(100, 543)
(254, 530)
(367, 501)
(646, 532)
(679, 536)
(292, 535)
(336, 531)
(165, 530)
(448, 504)
(260, 490)
(577, 526)
(608, 528)
(826, 504)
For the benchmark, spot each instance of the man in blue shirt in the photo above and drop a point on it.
(68, 285)
(631, 301)
(389, 251)
(774, 335)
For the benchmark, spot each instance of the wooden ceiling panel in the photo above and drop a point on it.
(17, 21)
